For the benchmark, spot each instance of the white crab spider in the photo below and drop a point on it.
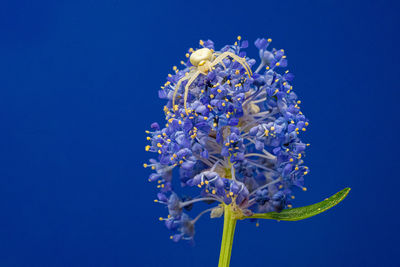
(203, 61)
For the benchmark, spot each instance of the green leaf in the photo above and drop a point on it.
(302, 213)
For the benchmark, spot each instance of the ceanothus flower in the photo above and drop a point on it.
(231, 134)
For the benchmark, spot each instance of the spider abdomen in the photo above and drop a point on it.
(200, 56)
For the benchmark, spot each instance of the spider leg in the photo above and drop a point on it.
(216, 56)
(178, 84)
(241, 61)
(195, 75)
(223, 64)
(211, 64)
(218, 60)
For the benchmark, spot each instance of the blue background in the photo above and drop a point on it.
(78, 87)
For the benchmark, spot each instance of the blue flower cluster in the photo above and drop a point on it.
(238, 144)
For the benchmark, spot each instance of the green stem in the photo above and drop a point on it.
(227, 237)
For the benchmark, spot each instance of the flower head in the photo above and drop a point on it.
(237, 142)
